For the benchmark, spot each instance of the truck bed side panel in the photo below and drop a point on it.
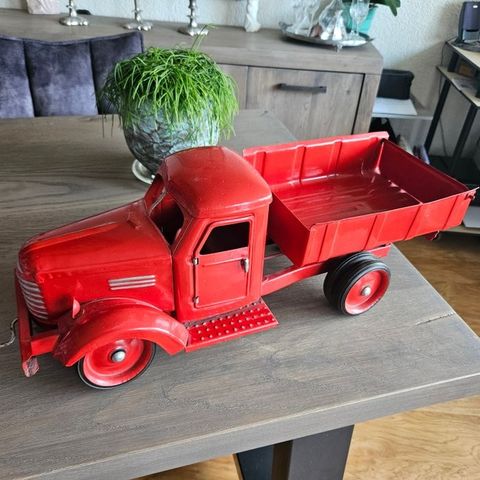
(341, 195)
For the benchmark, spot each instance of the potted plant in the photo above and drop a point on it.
(169, 100)
(394, 5)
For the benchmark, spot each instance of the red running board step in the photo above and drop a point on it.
(250, 319)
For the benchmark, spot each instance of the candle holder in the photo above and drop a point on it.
(138, 23)
(73, 19)
(193, 28)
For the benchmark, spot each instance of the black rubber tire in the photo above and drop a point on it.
(338, 269)
(79, 368)
(349, 276)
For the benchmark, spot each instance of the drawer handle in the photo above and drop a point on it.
(302, 88)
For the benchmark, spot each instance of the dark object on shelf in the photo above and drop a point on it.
(469, 27)
(395, 84)
(383, 125)
(469, 23)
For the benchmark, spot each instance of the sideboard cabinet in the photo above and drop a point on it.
(314, 91)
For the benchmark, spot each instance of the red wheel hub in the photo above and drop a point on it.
(366, 291)
(117, 362)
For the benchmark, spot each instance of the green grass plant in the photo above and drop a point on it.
(179, 84)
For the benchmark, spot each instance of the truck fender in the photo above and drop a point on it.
(104, 321)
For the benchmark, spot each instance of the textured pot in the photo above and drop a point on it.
(150, 140)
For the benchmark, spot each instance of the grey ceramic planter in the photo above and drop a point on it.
(150, 141)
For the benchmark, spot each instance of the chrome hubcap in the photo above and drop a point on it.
(118, 356)
(366, 291)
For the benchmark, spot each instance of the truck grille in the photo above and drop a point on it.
(33, 298)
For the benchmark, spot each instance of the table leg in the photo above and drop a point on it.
(255, 464)
(321, 456)
(462, 139)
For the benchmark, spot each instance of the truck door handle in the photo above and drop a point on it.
(302, 88)
(245, 264)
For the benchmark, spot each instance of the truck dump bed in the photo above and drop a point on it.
(342, 195)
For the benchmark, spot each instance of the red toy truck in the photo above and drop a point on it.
(183, 267)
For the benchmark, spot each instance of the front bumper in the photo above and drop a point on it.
(31, 345)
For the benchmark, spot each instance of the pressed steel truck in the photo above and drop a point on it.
(183, 267)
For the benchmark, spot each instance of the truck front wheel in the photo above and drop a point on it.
(116, 363)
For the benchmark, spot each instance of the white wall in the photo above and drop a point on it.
(411, 41)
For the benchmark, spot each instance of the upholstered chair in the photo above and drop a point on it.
(40, 78)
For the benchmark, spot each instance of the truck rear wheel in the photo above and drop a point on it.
(339, 267)
(116, 363)
(357, 285)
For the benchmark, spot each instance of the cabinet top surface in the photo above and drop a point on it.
(226, 44)
(315, 372)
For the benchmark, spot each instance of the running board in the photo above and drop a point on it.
(253, 318)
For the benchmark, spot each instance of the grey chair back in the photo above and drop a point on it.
(40, 78)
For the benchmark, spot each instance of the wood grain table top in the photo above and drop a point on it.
(315, 372)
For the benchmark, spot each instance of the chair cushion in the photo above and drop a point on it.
(15, 98)
(106, 52)
(61, 78)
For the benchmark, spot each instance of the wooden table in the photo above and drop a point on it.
(316, 372)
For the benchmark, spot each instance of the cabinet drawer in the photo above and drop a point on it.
(310, 104)
(239, 74)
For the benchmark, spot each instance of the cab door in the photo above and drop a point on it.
(222, 264)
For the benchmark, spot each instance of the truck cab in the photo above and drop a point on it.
(127, 279)
(192, 247)
(212, 208)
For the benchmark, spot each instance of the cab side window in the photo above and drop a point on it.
(227, 237)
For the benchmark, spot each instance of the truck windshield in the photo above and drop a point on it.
(167, 216)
